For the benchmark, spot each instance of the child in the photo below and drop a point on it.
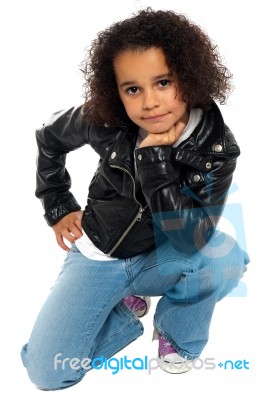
(149, 226)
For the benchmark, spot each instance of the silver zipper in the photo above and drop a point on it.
(137, 218)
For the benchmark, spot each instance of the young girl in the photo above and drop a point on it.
(149, 226)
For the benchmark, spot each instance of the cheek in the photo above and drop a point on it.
(179, 106)
(130, 109)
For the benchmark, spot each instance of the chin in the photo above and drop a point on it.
(158, 131)
(152, 128)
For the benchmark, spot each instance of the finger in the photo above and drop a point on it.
(61, 243)
(77, 222)
(76, 232)
(68, 235)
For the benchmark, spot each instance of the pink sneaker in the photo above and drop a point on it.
(171, 361)
(140, 305)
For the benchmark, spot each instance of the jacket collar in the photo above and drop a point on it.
(122, 153)
(209, 136)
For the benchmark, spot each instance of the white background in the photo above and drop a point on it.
(42, 46)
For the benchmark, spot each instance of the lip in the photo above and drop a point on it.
(154, 117)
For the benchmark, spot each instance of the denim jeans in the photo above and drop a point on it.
(84, 315)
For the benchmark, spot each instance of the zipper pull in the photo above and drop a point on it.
(139, 216)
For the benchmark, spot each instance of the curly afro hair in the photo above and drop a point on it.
(191, 56)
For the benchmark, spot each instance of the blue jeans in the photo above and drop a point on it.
(84, 317)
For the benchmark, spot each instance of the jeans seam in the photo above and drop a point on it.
(133, 319)
(190, 265)
(93, 323)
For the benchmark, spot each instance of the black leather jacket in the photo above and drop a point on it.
(180, 194)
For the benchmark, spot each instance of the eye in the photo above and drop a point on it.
(164, 83)
(132, 90)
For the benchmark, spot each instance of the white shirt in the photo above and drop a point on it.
(84, 244)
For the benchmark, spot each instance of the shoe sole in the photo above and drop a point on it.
(141, 313)
(174, 368)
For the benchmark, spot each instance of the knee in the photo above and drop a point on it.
(218, 269)
(226, 262)
(49, 373)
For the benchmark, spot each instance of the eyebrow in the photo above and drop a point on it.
(133, 83)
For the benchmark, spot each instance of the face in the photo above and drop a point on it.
(150, 96)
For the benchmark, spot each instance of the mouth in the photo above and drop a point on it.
(154, 117)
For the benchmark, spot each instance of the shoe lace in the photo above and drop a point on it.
(165, 343)
(140, 304)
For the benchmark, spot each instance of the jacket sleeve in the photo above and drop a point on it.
(187, 215)
(65, 131)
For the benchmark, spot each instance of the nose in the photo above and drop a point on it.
(150, 100)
